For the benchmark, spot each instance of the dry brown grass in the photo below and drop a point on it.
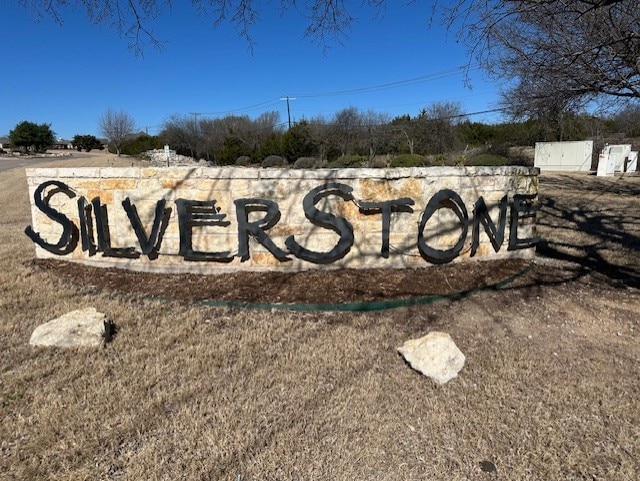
(550, 389)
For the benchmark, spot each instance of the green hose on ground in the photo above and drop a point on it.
(366, 305)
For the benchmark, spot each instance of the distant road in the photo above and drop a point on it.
(8, 163)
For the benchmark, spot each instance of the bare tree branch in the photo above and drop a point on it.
(558, 54)
(326, 20)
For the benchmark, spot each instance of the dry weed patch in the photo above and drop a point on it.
(550, 389)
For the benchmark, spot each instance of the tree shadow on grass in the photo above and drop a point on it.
(598, 233)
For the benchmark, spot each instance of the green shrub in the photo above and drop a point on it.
(520, 161)
(140, 144)
(440, 159)
(491, 160)
(244, 161)
(305, 163)
(378, 162)
(274, 161)
(348, 161)
(407, 160)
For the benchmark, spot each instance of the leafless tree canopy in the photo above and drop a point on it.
(558, 54)
(116, 125)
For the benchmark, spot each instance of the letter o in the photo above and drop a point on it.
(451, 200)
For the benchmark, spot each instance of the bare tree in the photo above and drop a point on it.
(267, 122)
(435, 126)
(208, 137)
(181, 133)
(374, 129)
(627, 120)
(558, 55)
(116, 125)
(345, 130)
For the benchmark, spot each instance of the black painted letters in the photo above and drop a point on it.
(481, 216)
(257, 228)
(69, 237)
(256, 216)
(150, 245)
(340, 225)
(522, 208)
(192, 213)
(386, 208)
(449, 199)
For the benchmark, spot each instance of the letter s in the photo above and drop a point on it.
(326, 220)
(69, 238)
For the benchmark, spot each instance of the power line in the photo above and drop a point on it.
(480, 112)
(266, 103)
(399, 83)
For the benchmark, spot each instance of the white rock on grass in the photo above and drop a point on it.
(81, 328)
(434, 355)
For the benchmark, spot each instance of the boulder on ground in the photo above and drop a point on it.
(81, 328)
(434, 355)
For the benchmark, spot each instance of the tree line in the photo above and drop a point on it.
(440, 132)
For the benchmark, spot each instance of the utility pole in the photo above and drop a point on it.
(195, 124)
(287, 98)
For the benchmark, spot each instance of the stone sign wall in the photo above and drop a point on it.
(203, 219)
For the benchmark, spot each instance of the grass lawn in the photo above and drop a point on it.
(550, 389)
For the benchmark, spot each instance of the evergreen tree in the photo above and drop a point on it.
(32, 136)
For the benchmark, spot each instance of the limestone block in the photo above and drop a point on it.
(215, 239)
(491, 198)
(180, 173)
(118, 184)
(403, 243)
(119, 172)
(284, 230)
(412, 188)
(170, 245)
(169, 183)
(434, 355)
(474, 184)
(266, 259)
(86, 184)
(47, 173)
(105, 197)
(80, 328)
(145, 190)
(149, 172)
(371, 190)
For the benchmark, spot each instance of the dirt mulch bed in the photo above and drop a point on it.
(315, 286)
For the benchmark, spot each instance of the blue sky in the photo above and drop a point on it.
(69, 75)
